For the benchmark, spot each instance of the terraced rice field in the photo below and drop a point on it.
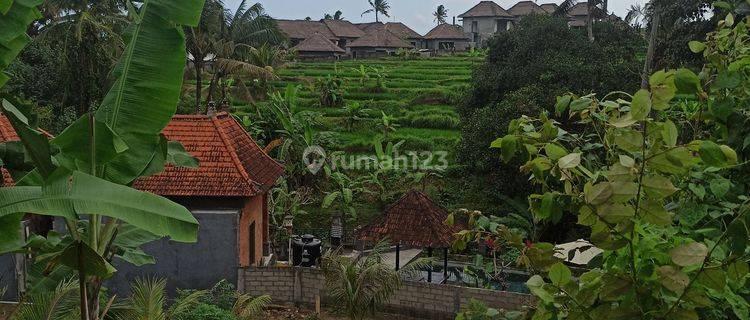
(420, 95)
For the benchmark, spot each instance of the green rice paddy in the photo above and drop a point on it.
(420, 95)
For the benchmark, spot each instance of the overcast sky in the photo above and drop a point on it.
(415, 13)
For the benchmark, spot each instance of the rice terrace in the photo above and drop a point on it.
(374, 159)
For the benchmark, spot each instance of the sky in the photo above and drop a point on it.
(417, 14)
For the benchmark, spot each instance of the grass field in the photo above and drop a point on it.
(420, 95)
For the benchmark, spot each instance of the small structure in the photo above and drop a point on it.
(344, 30)
(414, 220)
(447, 38)
(299, 30)
(377, 42)
(399, 29)
(525, 8)
(485, 19)
(550, 7)
(578, 15)
(578, 253)
(318, 47)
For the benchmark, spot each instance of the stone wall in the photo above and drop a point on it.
(417, 299)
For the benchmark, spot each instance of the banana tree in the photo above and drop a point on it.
(83, 175)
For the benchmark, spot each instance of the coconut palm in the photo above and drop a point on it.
(361, 287)
(59, 303)
(226, 40)
(379, 7)
(440, 14)
(87, 33)
(635, 15)
(596, 9)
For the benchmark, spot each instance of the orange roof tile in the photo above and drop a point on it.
(231, 162)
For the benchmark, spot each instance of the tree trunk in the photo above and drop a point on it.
(198, 84)
(376, 16)
(211, 89)
(648, 65)
(590, 22)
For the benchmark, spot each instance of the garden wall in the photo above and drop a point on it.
(417, 299)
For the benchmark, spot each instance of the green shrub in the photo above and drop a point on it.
(205, 311)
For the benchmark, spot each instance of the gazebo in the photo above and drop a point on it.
(414, 220)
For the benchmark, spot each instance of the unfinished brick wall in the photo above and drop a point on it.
(417, 299)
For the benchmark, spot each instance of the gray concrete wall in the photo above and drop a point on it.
(8, 278)
(459, 44)
(188, 266)
(486, 28)
(415, 299)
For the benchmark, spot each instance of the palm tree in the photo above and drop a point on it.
(227, 40)
(360, 287)
(595, 9)
(635, 15)
(379, 7)
(440, 14)
(353, 112)
(88, 35)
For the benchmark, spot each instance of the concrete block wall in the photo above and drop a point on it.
(300, 286)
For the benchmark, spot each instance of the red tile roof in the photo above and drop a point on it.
(231, 162)
(413, 220)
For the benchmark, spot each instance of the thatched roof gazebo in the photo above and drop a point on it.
(414, 220)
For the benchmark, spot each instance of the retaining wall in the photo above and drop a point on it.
(300, 286)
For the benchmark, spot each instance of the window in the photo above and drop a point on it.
(474, 26)
(447, 45)
(501, 25)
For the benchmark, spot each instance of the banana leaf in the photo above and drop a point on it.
(15, 16)
(149, 78)
(70, 194)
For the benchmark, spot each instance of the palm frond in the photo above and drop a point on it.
(564, 7)
(148, 299)
(59, 303)
(185, 303)
(247, 307)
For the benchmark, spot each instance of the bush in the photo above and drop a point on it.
(544, 51)
(205, 311)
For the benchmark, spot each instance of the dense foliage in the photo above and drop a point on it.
(658, 197)
(525, 69)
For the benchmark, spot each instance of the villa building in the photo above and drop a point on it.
(446, 38)
(227, 194)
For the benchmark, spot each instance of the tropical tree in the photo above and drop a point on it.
(354, 112)
(338, 15)
(361, 287)
(103, 152)
(387, 124)
(440, 14)
(595, 9)
(344, 189)
(227, 40)
(378, 7)
(635, 15)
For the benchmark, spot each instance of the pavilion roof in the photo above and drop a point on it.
(413, 220)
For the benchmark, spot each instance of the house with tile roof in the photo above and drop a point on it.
(227, 194)
(306, 37)
(377, 42)
(318, 47)
(446, 38)
(397, 28)
(486, 18)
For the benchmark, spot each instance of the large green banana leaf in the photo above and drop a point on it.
(149, 78)
(15, 16)
(68, 195)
